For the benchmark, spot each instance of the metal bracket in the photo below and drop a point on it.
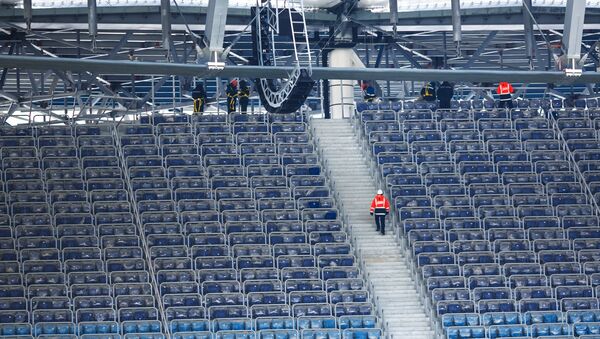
(215, 63)
(575, 70)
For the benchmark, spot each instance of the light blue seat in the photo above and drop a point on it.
(15, 329)
(189, 325)
(278, 334)
(353, 333)
(456, 332)
(500, 318)
(274, 323)
(233, 334)
(502, 331)
(320, 333)
(316, 322)
(193, 335)
(54, 328)
(551, 329)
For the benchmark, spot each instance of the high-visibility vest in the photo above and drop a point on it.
(244, 92)
(232, 92)
(428, 90)
(379, 204)
(505, 88)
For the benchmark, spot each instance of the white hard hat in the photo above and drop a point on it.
(379, 192)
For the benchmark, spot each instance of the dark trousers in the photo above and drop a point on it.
(380, 223)
(198, 106)
(231, 104)
(505, 101)
(244, 104)
(444, 104)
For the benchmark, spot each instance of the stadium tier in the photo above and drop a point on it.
(498, 211)
(174, 227)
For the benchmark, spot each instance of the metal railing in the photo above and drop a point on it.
(401, 241)
(138, 221)
(573, 161)
(300, 41)
(323, 162)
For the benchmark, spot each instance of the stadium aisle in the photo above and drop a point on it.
(385, 267)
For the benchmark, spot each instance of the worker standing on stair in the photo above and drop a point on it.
(380, 207)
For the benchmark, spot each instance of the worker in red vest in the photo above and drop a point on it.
(380, 207)
(505, 91)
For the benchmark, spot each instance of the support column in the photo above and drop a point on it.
(165, 20)
(216, 19)
(456, 25)
(530, 44)
(28, 13)
(93, 21)
(394, 15)
(572, 36)
(341, 92)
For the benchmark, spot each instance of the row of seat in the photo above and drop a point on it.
(494, 211)
(550, 330)
(229, 154)
(132, 330)
(196, 226)
(297, 284)
(466, 105)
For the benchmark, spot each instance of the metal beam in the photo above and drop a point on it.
(487, 60)
(27, 13)
(480, 49)
(521, 90)
(34, 85)
(165, 20)
(456, 24)
(530, 44)
(161, 68)
(49, 37)
(150, 15)
(591, 52)
(394, 15)
(19, 46)
(382, 49)
(405, 52)
(92, 18)
(5, 70)
(215, 26)
(574, 20)
(155, 88)
(93, 21)
(66, 78)
(11, 109)
(113, 52)
(173, 52)
(53, 84)
(8, 96)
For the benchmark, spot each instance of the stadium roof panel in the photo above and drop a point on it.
(375, 5)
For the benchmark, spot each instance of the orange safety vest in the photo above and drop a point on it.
(380, 202)
(504, 88)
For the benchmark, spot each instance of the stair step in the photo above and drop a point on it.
(383, 261)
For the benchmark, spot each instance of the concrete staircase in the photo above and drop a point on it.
(385, 267)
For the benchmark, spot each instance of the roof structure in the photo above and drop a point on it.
(418, 37)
